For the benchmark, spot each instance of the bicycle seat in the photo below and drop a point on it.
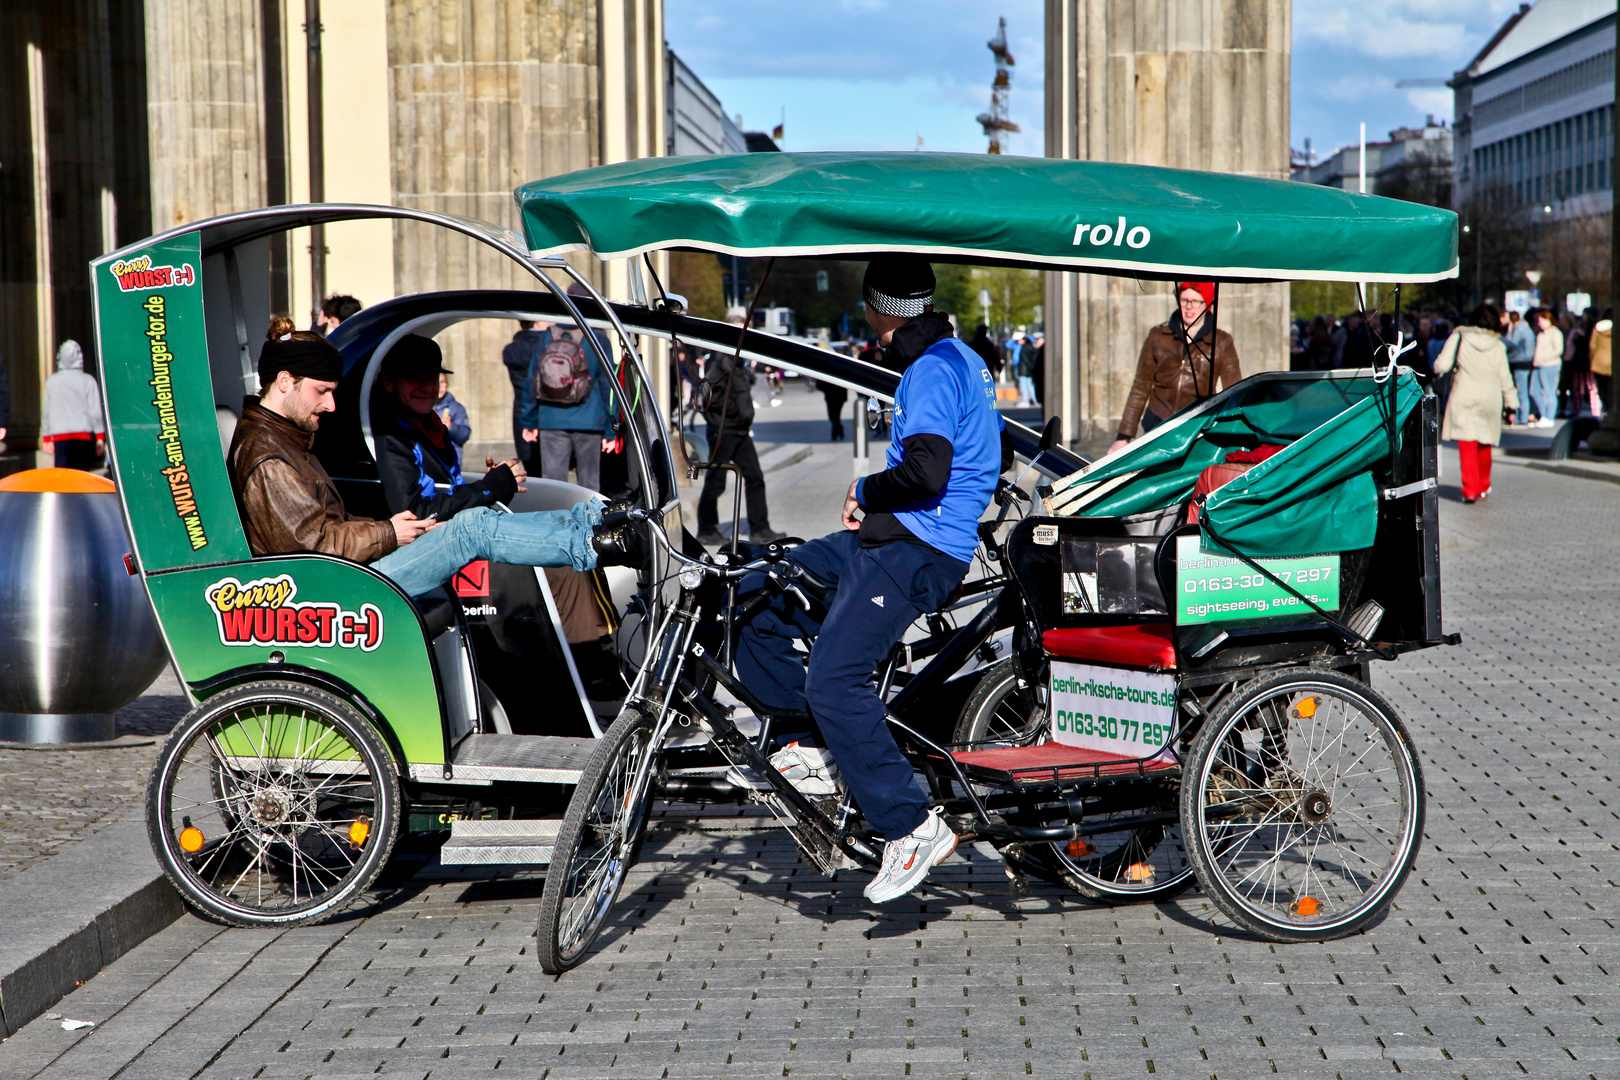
(1138, 645)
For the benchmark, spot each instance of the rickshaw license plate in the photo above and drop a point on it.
(1212, 587)
(1115, 710)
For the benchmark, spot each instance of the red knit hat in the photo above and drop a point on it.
(1206, 289)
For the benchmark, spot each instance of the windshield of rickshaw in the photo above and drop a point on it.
(1036, 212)
(1317, 495)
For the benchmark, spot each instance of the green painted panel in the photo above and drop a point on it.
(1100, 215)
(320, 613)
(160, 407)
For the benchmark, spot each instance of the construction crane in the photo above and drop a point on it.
(995, 122)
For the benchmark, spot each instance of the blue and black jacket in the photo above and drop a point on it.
(411, 467)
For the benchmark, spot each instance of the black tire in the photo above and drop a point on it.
(596, 845)
(1322, 806)
(1141, 864)
(290, 796)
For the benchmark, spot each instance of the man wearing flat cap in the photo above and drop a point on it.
(289, 503)
(913, 547)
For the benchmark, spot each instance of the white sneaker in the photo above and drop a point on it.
(906, 861)
(1544, 422)
(809, 768)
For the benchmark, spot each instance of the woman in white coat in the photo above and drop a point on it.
(1481, 388)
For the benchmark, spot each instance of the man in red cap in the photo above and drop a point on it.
(1182, 361)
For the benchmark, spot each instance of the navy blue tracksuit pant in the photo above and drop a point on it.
(880, 592)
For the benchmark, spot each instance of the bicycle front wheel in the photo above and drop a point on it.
(595, 844)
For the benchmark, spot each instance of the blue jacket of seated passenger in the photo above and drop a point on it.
(595, 413)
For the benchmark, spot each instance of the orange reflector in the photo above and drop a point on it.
(359, 831)
(1305, 707)
(191, 840)
(1305, 906)
(1079, 849)
(1138, 872)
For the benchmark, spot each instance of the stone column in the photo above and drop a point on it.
(491, 94)
(70, 180)
(1189, 84)
(205, 108)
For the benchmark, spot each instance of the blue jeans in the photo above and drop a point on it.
(1521, 382)
(546, 538)
(1545, 389)
(858, 633)
(1026, 389)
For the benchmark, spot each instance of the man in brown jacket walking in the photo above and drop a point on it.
(289, 502)
(1181, 362)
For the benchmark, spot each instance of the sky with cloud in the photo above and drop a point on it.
(864, 74)
(1348, 57)
(880, 74)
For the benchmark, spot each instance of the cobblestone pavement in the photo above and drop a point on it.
(53, 797)
(729, 957)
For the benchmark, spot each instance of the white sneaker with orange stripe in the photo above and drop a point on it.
(809, 768)
(906, 861)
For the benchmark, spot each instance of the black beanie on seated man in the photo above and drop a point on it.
(300, 357)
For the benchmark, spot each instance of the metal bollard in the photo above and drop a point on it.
(77, 637)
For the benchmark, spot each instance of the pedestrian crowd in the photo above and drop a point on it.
(1559, 360)
(1492, 368)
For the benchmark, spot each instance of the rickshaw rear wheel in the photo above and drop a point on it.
(273, 804)
(596, 845)
(1140, 864)
(1304, 802)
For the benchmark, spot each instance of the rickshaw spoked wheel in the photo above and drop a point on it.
(273, 804)
(1144, 863)
(1304, 803)
(596, 844)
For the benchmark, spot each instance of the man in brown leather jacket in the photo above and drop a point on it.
(1180, 363)
(289, 503)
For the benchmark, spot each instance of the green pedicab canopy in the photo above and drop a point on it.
(1039, 212)
(1316, 496)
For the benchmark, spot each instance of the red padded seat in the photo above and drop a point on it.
(1138, 645)
(1055, 760)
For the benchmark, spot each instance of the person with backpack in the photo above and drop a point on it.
(726, 399)
(568, 403)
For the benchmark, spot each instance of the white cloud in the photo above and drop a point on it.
(1449, 31)
(1431, 102)
(1356, 87)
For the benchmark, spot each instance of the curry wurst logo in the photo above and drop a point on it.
(263, 612)
(139, 273)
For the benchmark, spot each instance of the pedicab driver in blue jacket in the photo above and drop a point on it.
(907, 542)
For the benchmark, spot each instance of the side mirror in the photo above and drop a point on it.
(1049, 435)
(876, 414)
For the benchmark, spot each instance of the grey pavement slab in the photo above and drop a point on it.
(64, 919)
(51, 798)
